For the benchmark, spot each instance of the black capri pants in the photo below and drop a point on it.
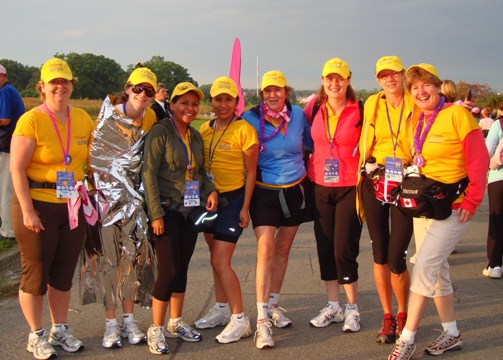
(337, 229)
(174, 249)
(389, 244)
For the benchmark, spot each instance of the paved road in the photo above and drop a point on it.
(479, 305)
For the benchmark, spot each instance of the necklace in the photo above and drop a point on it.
(420, 134)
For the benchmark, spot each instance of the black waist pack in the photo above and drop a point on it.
(420, 196)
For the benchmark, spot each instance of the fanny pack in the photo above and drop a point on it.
(420, 196)
(383, 188)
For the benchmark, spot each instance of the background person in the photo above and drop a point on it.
(231, 154)
(11, 108)
(161, 102)
(494, 143)
(173, 173)
(448, 146)
(388, 114)
(125, 258)
(50, 143)
(333, 167)
(277, 201)
(486, 121)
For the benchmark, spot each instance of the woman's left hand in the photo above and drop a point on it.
(212, 202)
(464, 215)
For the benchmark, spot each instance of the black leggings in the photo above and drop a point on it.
(337, 229)
(495, 232)
(388, 245)
(174, 250)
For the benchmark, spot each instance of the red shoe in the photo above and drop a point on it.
(387, 333)
(401, 319)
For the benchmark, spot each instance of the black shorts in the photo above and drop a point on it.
(277, 207)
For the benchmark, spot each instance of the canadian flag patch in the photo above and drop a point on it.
(408, 202)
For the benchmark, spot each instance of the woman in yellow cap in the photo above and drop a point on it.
(278, 198)
(449, 148)
(231, 153)
(175, 183)
(125, 264)
(50, 144)
(385, 145)
(333, 167)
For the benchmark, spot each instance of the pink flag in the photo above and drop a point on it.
(235, 74)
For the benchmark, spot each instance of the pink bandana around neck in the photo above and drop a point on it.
(283, 113)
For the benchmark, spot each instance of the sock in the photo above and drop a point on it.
(352, 307)
(238, 317)
(273, 299)
(262, 311)
(407, 336)
(127, 317)
(174, 320)
(223, 307)
(451, 328)
(111, 321)
(335, 306)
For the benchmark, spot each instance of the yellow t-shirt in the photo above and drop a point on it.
(149, 118)
(48, 155)
(383, 141)
(227, 147)
(443, 147)
(332, 120)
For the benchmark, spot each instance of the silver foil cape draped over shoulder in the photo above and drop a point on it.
(119, 263)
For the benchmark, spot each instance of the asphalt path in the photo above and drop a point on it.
(479, 310)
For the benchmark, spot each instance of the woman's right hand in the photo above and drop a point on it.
(158, 226)
(32, 222)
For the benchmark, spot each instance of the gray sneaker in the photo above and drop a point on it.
(111, 338)
(327, 316)
(277, 316)
(156, 341)
(132, 332)
(182, 330)
(351, 320)
(60, 336)
(39, 346)
(215, 317)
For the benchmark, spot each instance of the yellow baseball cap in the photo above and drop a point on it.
(185, 87)
(389, 63)
(224, 85)
(426, 67)
(55, 69)
(273, 78)
(336, 66)
(143, 75)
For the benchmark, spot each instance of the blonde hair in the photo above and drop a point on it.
(449, 90)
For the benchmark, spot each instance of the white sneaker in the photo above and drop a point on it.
(156, 341)
(111, 338)
(493, 273)
(39, 346)
(215, 317)
(327, 316)
(236, 330)
(351, 320)
(182, 330)
(277, 316)
(263, 336)
(132, 332)
(60, 336)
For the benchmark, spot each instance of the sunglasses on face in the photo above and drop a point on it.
(138, 89)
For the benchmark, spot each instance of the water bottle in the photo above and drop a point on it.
(371, 164)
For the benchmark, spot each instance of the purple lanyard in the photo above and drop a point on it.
(66, 157)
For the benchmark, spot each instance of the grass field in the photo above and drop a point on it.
(92, 107)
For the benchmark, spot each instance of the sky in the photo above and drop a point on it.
(461, 38)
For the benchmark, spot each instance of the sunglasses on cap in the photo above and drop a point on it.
(138, 89)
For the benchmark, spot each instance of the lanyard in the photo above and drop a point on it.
(212, 153)
(394, 141)
(330, 137)
(66, 157)
(189, 160)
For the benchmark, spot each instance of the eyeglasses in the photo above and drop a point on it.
(138, 89)
(386, 75)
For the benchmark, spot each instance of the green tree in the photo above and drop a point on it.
(23, 77)
(167, 72)
(97, 75)
(206, 91)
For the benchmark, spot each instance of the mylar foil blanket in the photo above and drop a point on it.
(118, 263)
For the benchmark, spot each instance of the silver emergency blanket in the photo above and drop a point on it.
(118, 262)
